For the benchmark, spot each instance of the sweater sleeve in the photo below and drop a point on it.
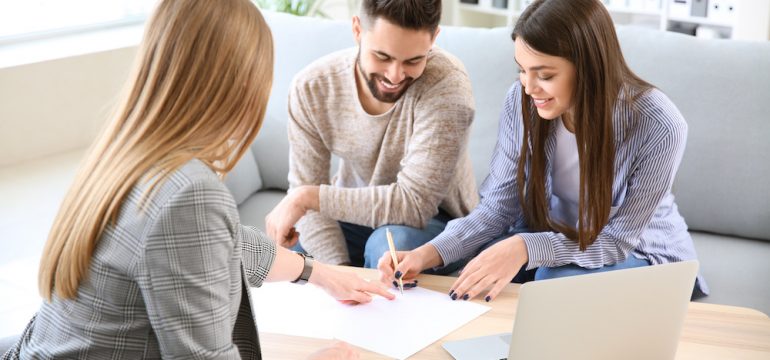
(309, 164)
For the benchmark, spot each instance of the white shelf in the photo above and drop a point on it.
(634, 11)
(489, 10)
(752, 21)
(699, 21)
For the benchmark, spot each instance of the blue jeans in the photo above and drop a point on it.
(366, 245)
(543, 273)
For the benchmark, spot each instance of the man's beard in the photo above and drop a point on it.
(371, 83)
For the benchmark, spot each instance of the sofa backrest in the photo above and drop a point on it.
(721, 87)
(297, 41)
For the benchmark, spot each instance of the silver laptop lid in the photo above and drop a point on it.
(624, 314)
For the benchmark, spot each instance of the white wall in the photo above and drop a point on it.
(338, 9)
(752, 21)
(56, 106)
(52, 107)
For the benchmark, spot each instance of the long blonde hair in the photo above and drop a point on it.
(199, 88)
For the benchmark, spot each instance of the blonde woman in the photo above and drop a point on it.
(146, 257)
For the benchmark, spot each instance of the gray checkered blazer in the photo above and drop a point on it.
(170, 282)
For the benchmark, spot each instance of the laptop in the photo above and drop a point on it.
(623, 314)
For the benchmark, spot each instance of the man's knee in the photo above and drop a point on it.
(404, 238)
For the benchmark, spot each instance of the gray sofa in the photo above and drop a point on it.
(722, 88)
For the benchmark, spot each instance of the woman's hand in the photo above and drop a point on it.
(495, 267)
(337, 351)
(346, 287)
(410, 264)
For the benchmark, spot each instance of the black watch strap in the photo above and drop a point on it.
(307, 269)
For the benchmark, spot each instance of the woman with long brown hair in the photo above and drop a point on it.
(147, 257)
(580, 180)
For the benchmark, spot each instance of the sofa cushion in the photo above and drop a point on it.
(255, 208)
(298, 41)
(488, 58)
(244, 179)
(721, 88)
(736, 269)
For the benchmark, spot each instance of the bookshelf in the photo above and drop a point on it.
(488, 13)
(737, 19)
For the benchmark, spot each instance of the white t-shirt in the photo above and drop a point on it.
(565, 177)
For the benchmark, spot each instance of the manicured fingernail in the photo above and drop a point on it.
(465, 297)
(398, 274)
(454, 296)
(395, 284)
(487, 298)
(451, 292)
(410, 285)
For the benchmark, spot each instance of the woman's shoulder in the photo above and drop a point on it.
(654, 105)
(195, 171)
(194, 183)
(514, 92)
(191, 197)
(512, 102)
(654, 112)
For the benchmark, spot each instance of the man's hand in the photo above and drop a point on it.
(281, 220)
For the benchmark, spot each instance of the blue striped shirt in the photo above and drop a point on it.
(650, 137)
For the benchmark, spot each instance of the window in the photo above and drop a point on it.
(28, 19)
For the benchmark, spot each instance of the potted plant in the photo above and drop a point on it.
(296, 7)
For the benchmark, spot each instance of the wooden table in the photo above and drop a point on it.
(710, 331)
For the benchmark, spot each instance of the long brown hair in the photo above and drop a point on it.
(582, 32)
(199, 89)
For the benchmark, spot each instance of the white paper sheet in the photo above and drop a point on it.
(397, 328)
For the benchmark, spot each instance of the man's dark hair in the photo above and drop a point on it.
(409, 14)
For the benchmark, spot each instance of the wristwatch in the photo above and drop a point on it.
(307, 269)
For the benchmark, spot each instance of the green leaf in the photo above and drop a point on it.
(295, 7)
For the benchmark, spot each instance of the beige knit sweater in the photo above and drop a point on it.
(395, 168)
